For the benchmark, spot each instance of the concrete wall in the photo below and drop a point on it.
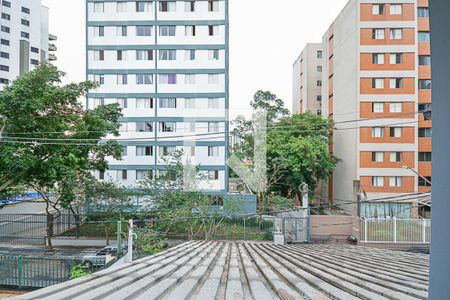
(338, 226)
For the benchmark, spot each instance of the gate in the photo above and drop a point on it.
(294, 226)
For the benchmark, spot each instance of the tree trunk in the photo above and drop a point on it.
(50, 220)
(107, 235)
(76, 217)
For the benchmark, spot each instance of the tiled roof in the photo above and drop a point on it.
(236, 270)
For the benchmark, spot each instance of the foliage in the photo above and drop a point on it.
(78, 272)
(275, 202)
(148, 242)
(297, 150)
(50, 143)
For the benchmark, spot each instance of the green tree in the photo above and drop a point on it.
(301, 143)
(49, 142)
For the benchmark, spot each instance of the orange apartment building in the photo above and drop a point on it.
(376, 72)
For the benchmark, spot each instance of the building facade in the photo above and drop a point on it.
(24, 38)
(166, 64)
(307, 80)
(377, 72)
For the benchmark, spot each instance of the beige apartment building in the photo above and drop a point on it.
(307, 80)
(377, 70)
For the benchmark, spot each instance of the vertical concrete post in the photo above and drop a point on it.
(440, 234)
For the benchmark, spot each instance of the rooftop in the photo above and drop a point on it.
(236, 270)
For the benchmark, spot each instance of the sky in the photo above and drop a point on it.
(266, 37)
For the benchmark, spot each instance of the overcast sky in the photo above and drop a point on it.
(266, 37)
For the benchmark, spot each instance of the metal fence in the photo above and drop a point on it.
(414, 231)
(38, 272)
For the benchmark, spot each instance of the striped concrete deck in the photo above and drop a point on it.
(229, 270)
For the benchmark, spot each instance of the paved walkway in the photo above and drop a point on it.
(236, 270)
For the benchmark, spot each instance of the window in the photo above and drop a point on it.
(425, 156)
(6, 3)
(4, 42)
(213, 78)
(319, 83)
(99, 7)
(124, 151)
(168, 78)
(122, 79)
(144, 54)
(6, 16)
(189, 6)
(168, 103)
(319, 68)
(395, 107)
(5, 29)
(213, 175)
(98, 101)
(143, 6)
(424, 84)
(423, 107)
(189, 55)
(144, 151)
(319, 54)
(213, 54)
(190, 103)
(378, 34)
(213, 30)
(167, 127)
(377, 132)
(123, 102)
(99, 55)
(25, 22)
(99, 31)
(123, 174)
(395, 83)
(144, 103)
(395, 132)
(144, 79)
(167, 54)
(395, 181)
(378, 107)
(4, 55)
(319, 97)
(143, 30)
(213, 151)
(25, 34)
(189, 79)
(123, 127)
(121, 6)
(101, 175)
(425, 132)
(395, 9)
(144, 127)
(423, 12)
(190, 30)
(167, 30)
(377, 156)
(213, 103)
(4, 68)
(396, 58)
(143, 174)
(424, 36)
(4, 81)
(34, 50)
(423, 182)
(377, 181)
(395, 157)
(122, 30)
(213, 5)
(121, 55)
(213, 126)
(167, 6)
(378, 9)
(100, 78)
(424, 60)
(396, 34)
(25, 10)
(378, 83)
(166, 150)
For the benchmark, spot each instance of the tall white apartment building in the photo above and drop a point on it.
(166, 64)
(307, 80)
(24, 38)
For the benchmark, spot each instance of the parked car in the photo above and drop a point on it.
(102, 256)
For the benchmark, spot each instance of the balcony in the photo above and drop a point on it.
(52, 57)
(52, 37)
(52, 47)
